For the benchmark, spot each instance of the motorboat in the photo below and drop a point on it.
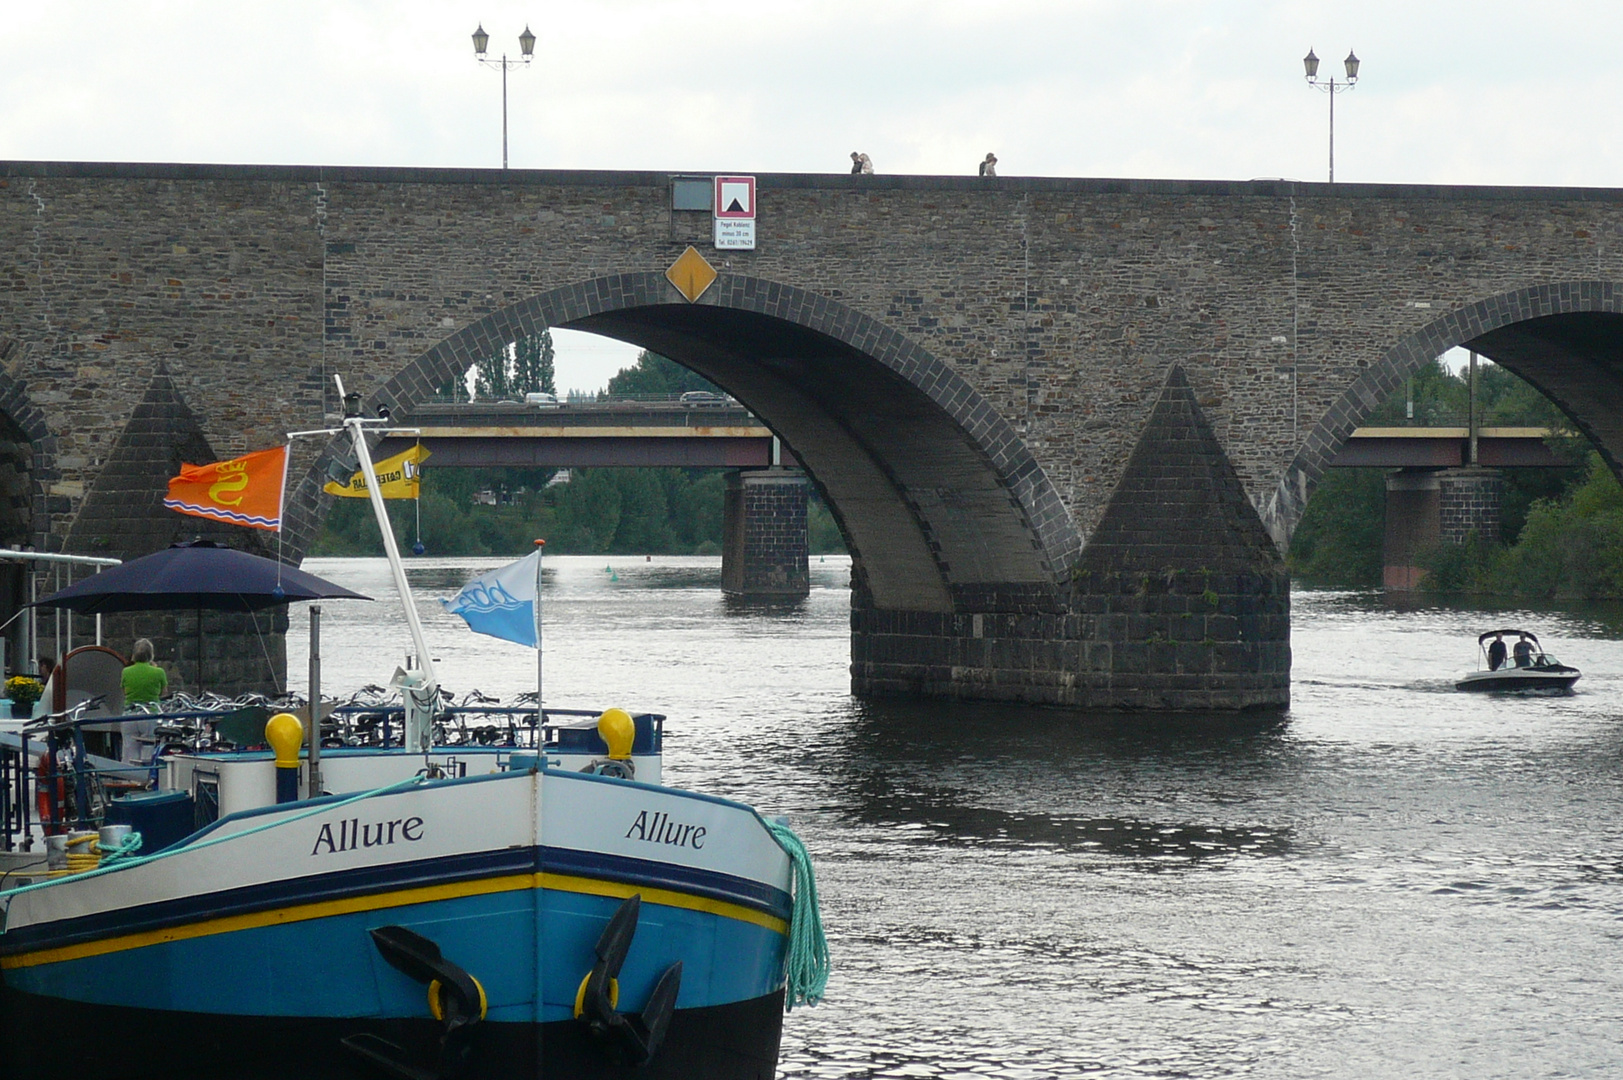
(429, 909)
(1518, 664)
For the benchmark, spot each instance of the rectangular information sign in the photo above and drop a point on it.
(735, 235)
(735, 213)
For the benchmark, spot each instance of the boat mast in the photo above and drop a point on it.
(418, 718)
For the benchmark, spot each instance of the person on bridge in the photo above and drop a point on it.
(1496, 652)
(861, 164)
(989, 166)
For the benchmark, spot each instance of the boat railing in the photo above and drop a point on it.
(52, 781)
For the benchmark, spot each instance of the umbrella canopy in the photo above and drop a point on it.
(191, 577)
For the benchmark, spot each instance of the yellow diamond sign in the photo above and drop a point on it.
(691, 274)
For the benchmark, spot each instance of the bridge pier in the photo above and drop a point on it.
(1468, 504)
(1425, 508)
(764, 551)
(1180, 602)
(1413, 523)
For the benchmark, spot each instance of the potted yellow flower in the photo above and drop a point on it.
(23, 690)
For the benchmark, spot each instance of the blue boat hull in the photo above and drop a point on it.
(265, 943)
(316, 957)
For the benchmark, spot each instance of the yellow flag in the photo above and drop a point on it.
(398, 477)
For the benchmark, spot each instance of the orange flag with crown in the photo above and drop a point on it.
(244, 491)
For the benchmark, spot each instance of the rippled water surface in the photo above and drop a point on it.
(1394, 880)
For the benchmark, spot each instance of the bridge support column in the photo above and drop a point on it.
(1468, 502)
(1181, 601)
(1413, 523)
(764, 540)
(1432, 507)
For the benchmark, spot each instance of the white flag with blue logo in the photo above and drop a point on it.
(501, 603)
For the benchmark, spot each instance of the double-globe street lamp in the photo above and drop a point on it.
(526, 44)
(1311, 64)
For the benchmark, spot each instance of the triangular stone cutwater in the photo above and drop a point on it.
(123, 515)
(1179, 504)
(1185, 601)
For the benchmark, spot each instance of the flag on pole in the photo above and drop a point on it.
(399, 477)
(501, 603)
(244, 491)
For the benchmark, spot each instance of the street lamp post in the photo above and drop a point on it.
(526, 44)
(1330, 86)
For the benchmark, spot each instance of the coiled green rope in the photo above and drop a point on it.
(125, 849)
(807, 962)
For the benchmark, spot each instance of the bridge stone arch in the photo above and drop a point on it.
(944, 506)
(1564, 339)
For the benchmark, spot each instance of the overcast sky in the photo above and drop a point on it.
(1488, 92)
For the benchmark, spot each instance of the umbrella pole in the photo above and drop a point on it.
(199, 652)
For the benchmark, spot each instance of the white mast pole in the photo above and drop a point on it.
(415, 732)
(541, 717)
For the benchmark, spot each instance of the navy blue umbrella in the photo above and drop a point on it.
(198, 576)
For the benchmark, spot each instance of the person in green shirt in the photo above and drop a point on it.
(144, 682)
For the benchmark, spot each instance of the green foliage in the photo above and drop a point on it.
(1442, 399)
(1439, 397)
(1460, 568)
(822, 531)
(1570, 547)
(521, 367)
(655, 376)
(1338, 542)
(618, 511)
(532, 364)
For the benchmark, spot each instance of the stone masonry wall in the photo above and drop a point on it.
(1027, 323)
(1468, 504)
(1061, 302)
(764, 532)
(1181, 601)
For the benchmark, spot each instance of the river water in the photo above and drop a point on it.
(1394, 880)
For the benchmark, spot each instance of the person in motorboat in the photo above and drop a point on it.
(1529, 666)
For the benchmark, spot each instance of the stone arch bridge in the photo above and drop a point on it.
(1066, 425)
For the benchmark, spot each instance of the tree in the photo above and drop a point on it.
(520, 367)
(655, 376)
(532, 364)
(1338, 541)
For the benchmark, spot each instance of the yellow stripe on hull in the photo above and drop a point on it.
(401, 898)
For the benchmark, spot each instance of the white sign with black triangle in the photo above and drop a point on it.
(735, 213)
